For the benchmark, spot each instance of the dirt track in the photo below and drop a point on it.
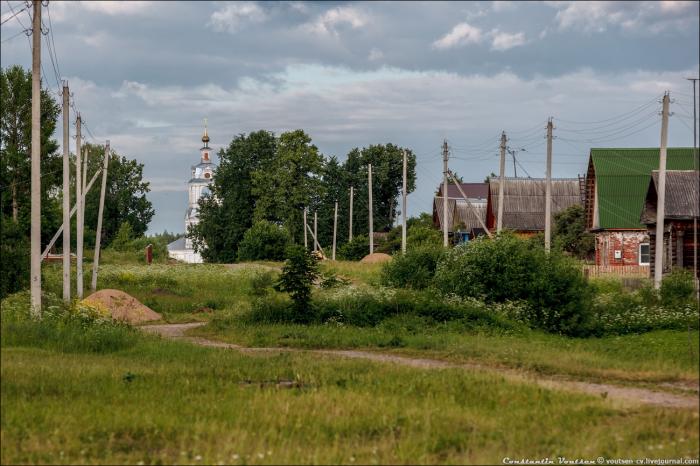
(614, 393)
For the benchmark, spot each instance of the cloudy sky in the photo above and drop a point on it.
(145, 75)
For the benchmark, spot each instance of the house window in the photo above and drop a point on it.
(644, 254)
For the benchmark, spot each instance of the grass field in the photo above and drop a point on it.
(148, 400)
(171, 402)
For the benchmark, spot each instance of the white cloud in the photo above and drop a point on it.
(117, 7)
(652, 16)
(503, 40)
(232, 16)
(502, 5)
(375, 54)
(328, 23)
(461, 34)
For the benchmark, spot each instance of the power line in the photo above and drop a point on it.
(12, 15)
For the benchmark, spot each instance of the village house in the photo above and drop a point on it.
(524, 202)
(617, 182)
(681, 206)
(463, 221)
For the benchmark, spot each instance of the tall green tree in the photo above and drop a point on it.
(290, 182)
(571, 234)
(226, 214)
(125, 197)
(15, 174)
(335, 188)
(387, 182)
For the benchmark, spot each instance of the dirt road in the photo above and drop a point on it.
(614, 393)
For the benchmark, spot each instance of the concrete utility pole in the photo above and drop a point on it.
(335, 227)
(306, 239)
(548, 191)
(351, 199)
(661, 196)
(35, 265)
(696, 167)
(445, 156)
(403, 203)
(98, 233)
(501, 183)
(315, 230)
(66, 194)
(79, 210)
(72, 211)
(371, 219)
(86, 153)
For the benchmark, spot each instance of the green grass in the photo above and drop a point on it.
(355, 271)
(166, 402)
(654, 356)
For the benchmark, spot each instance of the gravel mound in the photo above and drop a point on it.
(122, 306)
(376, 258)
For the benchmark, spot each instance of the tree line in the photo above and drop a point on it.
(262, 176)
(125, 199)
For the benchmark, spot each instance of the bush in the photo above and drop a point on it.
(677, 288)
(264, 241)
(354, 250)
(275, 308)
(298, 275)
(421, 235)
(261, 282)
(415, 269)
(76, 329)
(506, 268)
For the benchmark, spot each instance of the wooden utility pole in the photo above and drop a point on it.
(501, 183)
(445, 156)
(351, 199)
(335, 226)
(315, 230)
(403, 203)
(661, 197)
(79, 210)
(35, 264)
(306, 239)
(548, 191)
(98, 233)
(66, 193)
(371, 219)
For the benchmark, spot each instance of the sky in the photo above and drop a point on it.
(145, 75)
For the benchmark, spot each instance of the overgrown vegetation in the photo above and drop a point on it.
(415, 269)
(264, 241)
(299, 273)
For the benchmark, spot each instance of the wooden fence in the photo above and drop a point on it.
(640, 271)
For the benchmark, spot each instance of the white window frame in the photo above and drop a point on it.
(640, 253)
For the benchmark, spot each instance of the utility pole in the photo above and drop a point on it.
(501, 183)
(548, 191)
(315, 230)
(306, 240)
(696, 167)
(98, 234)
(66, 194)
(371, 220)
(35, 265)
(403, 203)
(79, 210)
(351, 198)
(335, 226)
(445, 155)
(661, 197)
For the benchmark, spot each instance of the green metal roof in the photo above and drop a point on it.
(622, 178)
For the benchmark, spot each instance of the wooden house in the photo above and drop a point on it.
(616, 186)
(681, 206)
(461, 219)
(524, 202)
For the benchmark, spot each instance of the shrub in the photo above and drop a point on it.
(354, 250)
(264, 241)
(261, 282)
(421, 235)
(677, 288)
(298, 275)
(415, 269)
(508, 269)
(78, 328)
(274, 308)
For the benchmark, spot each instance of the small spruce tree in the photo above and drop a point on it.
(298, 275)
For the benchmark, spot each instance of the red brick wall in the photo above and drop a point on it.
(626, 241)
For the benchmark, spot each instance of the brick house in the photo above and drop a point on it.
(617, 181)
(682, 205)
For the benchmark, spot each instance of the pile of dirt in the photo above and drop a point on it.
(122, 306)
(376, 258)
